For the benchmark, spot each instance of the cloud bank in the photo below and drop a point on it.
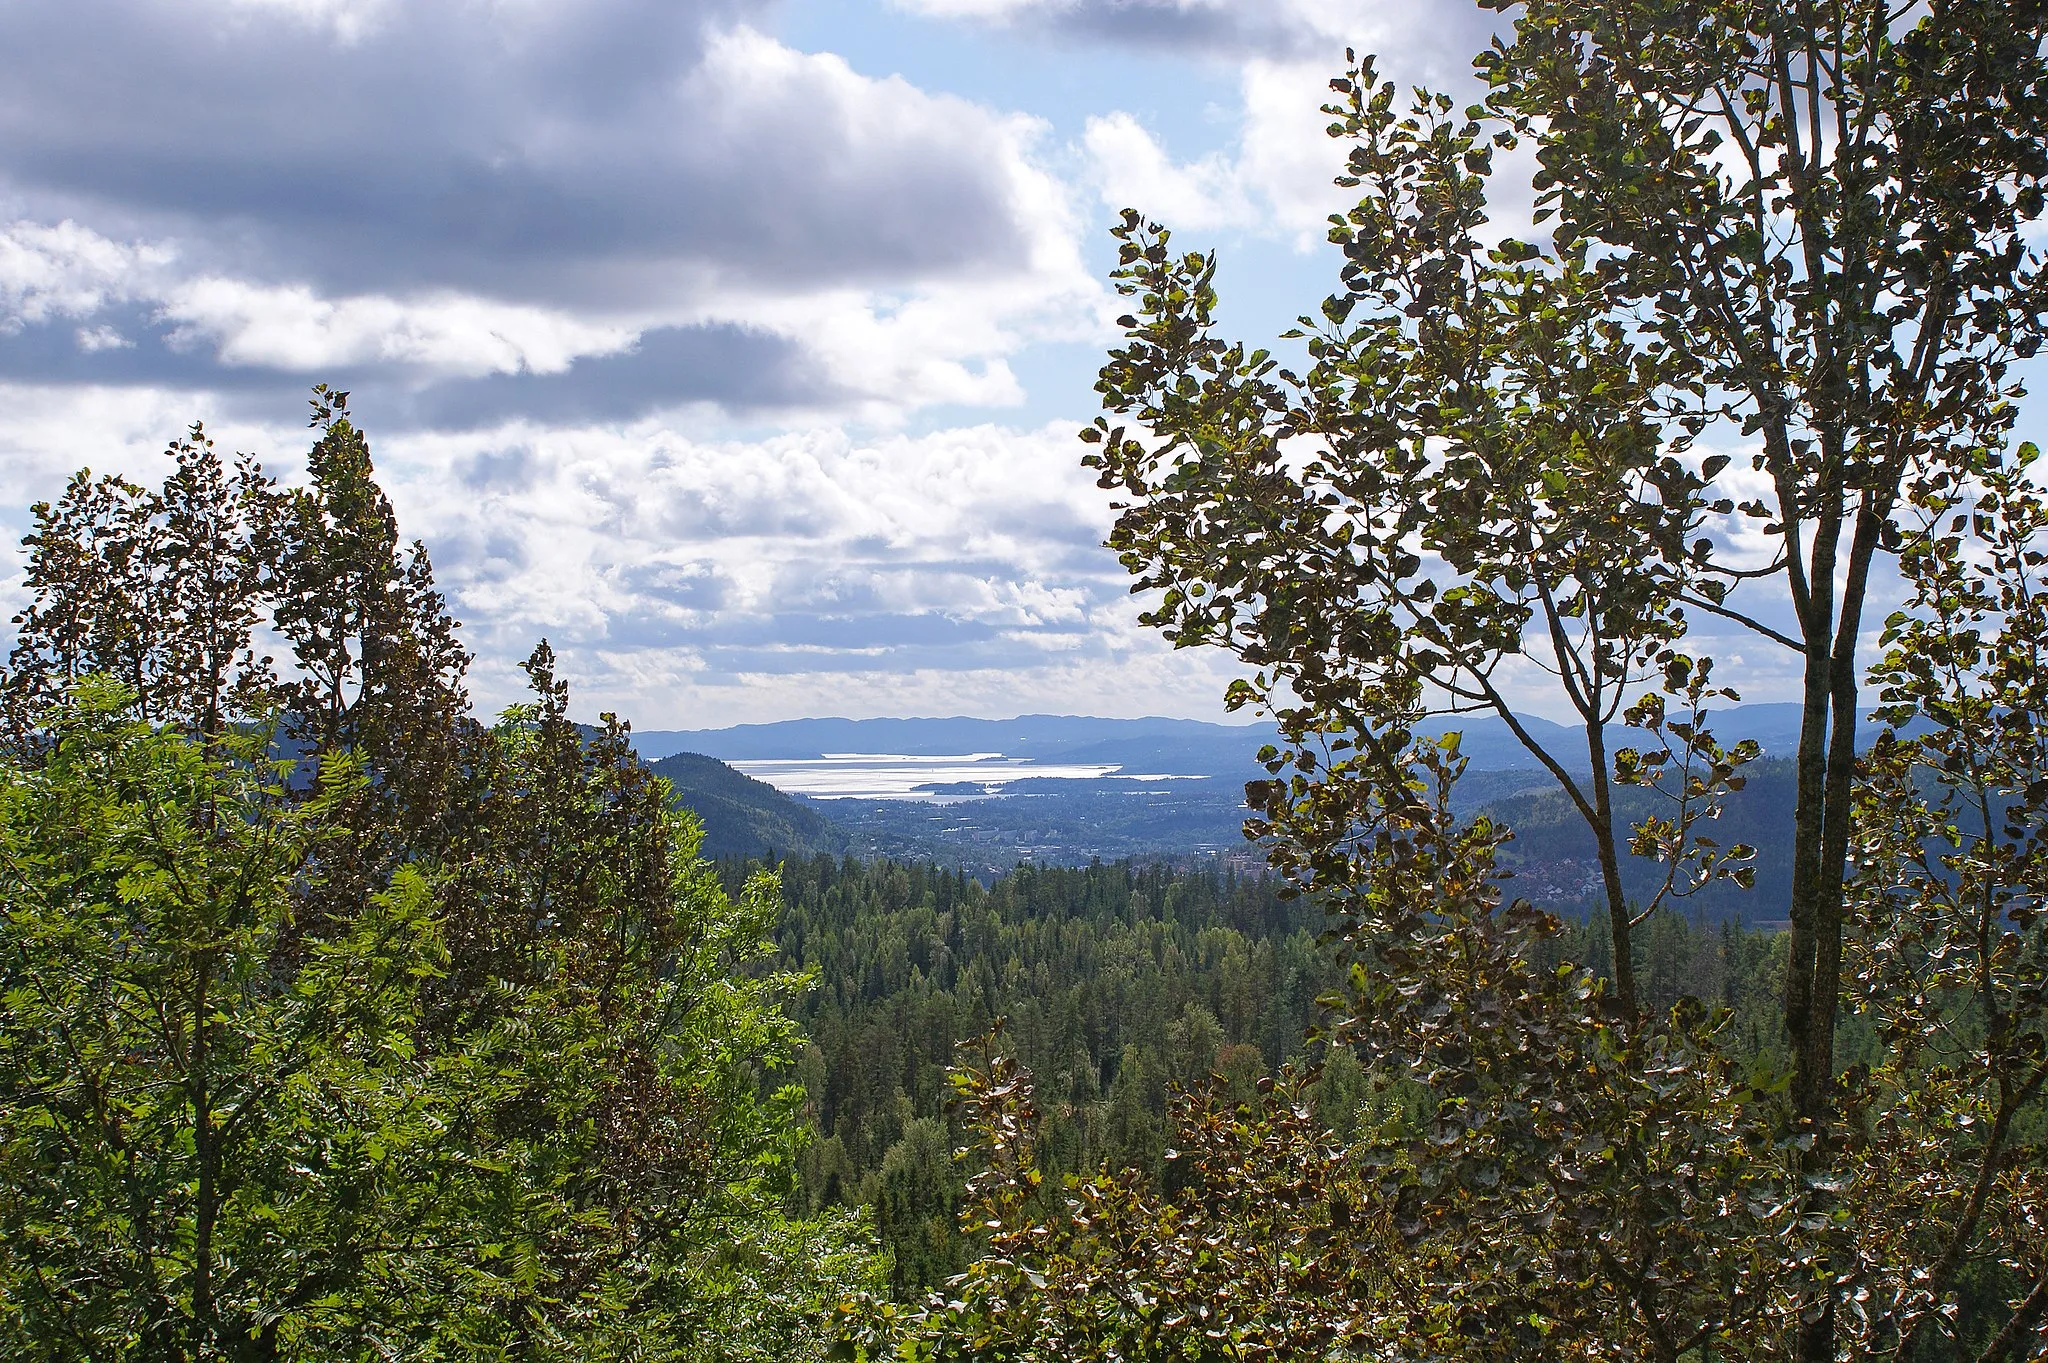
(689, 582)
(446, 192)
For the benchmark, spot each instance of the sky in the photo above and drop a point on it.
(737, 347)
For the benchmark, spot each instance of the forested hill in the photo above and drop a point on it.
(1184, 744)
(743, 817)
(1069, 822)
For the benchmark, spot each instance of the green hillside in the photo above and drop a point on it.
(746, 818)
(1556, 865)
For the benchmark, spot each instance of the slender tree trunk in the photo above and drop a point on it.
(203, 1150)
(1809, 826)
(1610, 875)
(1830, 904)
(1812, 975)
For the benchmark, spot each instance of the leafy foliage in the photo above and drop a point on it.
(1253, 1256)
(337, 1023)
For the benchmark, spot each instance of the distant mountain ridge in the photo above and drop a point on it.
(1041, 737)
(1174, 747)
(1492, 746)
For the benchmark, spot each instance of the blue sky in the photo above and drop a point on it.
(736, 346)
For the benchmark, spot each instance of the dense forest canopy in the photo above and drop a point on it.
(1119, 988)
(473, 1056)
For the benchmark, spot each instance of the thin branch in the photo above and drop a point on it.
(1738, 574)
(2021, 1324)
(1746, 621)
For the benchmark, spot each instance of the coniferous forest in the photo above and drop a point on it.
(1118, 986)
(340, 1019)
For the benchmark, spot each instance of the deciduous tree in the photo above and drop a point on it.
(1788, 273)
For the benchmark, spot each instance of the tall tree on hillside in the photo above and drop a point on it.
(1789, 273)
(335, 1022)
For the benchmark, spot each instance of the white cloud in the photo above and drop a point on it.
(616, 154)
(348, 21)
(1131, 169)
(1288, 158)
(1277, 179)
(91, 339)
(943, 338)
(64, 269)
(690, 582)
(697, 582)
(293, 328)
(630, 205)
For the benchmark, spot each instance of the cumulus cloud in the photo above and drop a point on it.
(1131, 168)
(68, 270)
(1278, 177)
(556, 152)
(736, 368)
(552, 244)
(64, 270)
(291, 327)
(448, 190)
(806, 572)
(1277, 174)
